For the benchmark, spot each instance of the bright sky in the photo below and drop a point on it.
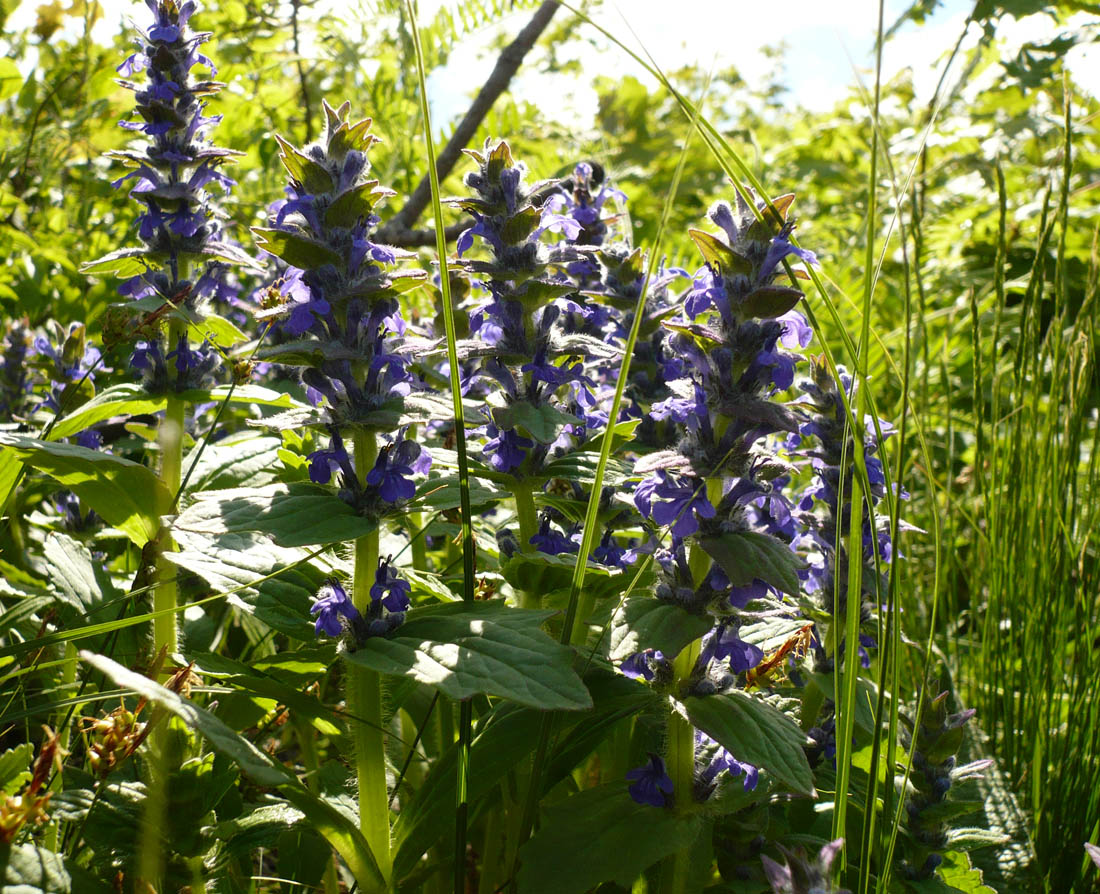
(827, 41)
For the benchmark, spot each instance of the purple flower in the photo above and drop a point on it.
(552, 542)
(687, 405)
(505, 450)
(651, 784)
(723, 643)
(390, 590)
(779, 249)
(609, 552)
(305, 308)
(394, 468)
(676, 502)
(323, 462)
(330, 605)
(707, 290)
(640, 665)
(725, 762)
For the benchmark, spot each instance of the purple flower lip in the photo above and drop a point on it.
(331, 605)
(651, 783)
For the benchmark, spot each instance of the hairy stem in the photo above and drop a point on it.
(680, 763)
(528, 527)
(365, 695)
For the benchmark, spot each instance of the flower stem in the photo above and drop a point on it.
(365, 694)
(526, 515)
(528, 527)
(680, 764)
(170, 439)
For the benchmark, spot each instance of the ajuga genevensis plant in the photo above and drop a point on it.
(239, 528)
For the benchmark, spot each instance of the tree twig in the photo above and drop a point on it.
(418, 238)
(398, 230)
(307, 108)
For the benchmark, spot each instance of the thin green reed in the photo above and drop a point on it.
(1035, 674)
(465, 727)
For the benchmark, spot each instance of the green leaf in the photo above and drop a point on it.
(643, 622)
(770, 633)
(600, 835)
(10, 465)
(296, 514)
(312, 175)
(487, 647)
(865, 698)
(15, 768)
(504, 739)
(237, 673)
(753, 731)
(125, 262)
(10, 78)
(84, 584)
(131, 399)
(353, 204)
(580, 466)
(124, 493)
(251, 760)
(539, 573)
(217, 330)
(954, 876)
(298, 251)
(240, 461)
(230, 561)
(542, 422)
(769, 301)
(746, 555)
(440, 494)
(35, 870)
(719, 255)
(336, 828)
(520, 225)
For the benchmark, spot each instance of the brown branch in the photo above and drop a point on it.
(416, 238)
(307, 108)
(400, 225)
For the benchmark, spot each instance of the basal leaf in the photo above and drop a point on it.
(28, 869)
(229, 561)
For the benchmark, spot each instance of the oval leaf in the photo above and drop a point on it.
(465, 650)
(752, 730)
(747, 555)
(124, 493)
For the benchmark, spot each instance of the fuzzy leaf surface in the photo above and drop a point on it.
(484, 648)
(754, 731)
